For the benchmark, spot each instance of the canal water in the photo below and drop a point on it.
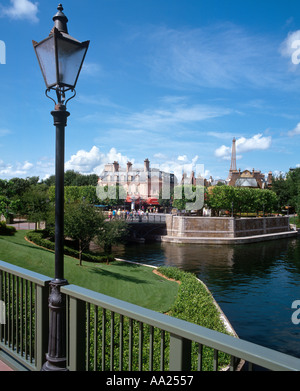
(254, 284)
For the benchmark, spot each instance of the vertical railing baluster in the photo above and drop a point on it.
(6, 304)
(151, 344)
(88, 333)
(77, 334)
(22, 318)
(13, 313)
(180, 353)
(17, 315)
(41, 325)
(232, 364)
(6, 309)
(103, 338)
(112, 342)
(215, 366)
(200, 357)
(140, 346)
(1, 300)
(9, 311)
(31, 327)
(121, 343)
(162, 350)
(130, 344)
(69, 330)
(95, 336)
(26, 318)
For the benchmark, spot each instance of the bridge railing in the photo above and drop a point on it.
(142, 218)
(108, 334)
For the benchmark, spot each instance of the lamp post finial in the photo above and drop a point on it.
(60, 20)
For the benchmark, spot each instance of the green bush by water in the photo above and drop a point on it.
(6, 230)
(193, 304)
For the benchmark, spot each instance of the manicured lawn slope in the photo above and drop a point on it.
(133, 283)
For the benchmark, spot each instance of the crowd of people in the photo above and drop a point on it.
(126, 214)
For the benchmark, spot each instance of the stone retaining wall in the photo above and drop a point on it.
(224, 227)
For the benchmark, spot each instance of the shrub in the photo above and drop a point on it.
(39, 237)
(193, 303)
(6, 229)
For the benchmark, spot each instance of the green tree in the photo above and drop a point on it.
(8, 207)
(221, 197)
(111, 233)
(76, 194)
(35, 203)
(241, 200)
(189, 197)
(287, 189)
(73, 178)
(166, 202)
(82, 223)
(114, 195)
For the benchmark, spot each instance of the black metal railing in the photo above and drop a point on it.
(106, 334)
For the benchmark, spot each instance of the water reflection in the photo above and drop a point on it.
(255, 284)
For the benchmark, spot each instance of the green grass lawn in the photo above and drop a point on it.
(136, 284)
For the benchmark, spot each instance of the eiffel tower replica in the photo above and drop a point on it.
(233, 160)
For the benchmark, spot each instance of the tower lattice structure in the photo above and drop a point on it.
(233, 158)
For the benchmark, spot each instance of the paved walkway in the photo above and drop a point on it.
(4, 367)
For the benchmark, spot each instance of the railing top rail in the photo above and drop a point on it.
(248, 351)
(29, 275)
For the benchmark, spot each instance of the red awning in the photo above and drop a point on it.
(152, 201)
(132, 199)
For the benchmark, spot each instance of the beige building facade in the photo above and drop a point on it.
(139, 183)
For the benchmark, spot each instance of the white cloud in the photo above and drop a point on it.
(27, 166)
(223, 152)
(8, 170)
(22, 9)
(182, 158)
(85, 161)
(93, 161)
(257, 142)
(295, 131)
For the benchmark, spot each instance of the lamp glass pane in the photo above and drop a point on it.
(46, 55)
(70, 57)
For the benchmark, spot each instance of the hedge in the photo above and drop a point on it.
(193, 303)
(39, 237)
(6, 229)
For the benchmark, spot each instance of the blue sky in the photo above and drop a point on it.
(169, 80)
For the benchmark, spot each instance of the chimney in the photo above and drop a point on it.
(146, 165)
(270, 177)
(129, 166)
(115, 166)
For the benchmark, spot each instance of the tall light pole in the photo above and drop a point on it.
(60, 58)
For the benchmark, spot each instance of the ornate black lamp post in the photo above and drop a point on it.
(60, 57)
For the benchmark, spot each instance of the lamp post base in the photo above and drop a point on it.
(56, 356)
